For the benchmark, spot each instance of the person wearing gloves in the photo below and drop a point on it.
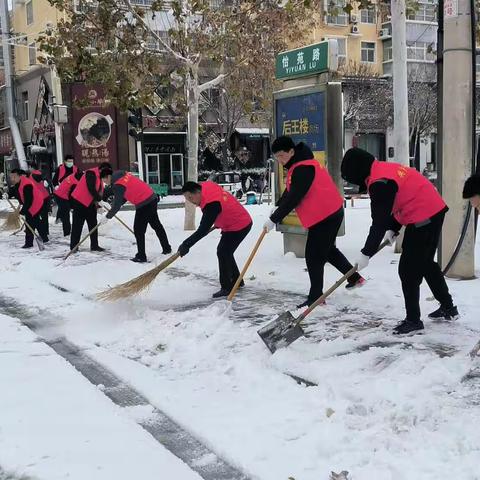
(63, 171)
(222, 210)
(319, 206)
(400, 195)
(128, 188)
(62, 195)
(31, 199)
(85, 198)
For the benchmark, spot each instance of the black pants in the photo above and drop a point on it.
(36, 223)
(320, 249)
(80, 215)
(63, 213)
(148, 215)
(417, 262)
(44, 215)
(227, 266)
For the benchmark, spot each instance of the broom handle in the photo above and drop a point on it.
(120, 220)
(168, 261)
(80, 242)
(24, 221)
(322, 298)
(247, 264)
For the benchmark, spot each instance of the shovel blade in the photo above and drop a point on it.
(280, 332)
(40, 244)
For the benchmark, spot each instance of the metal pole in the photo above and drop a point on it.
(400, 92)
(57, 100)
(9, 93)
(457, 135)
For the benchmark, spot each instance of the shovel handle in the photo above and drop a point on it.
(322, 298)
(80, 242)
(247, 264)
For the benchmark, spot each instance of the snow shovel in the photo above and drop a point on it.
(285, 329)
(38, 240)
(75, 248)
(247, 264)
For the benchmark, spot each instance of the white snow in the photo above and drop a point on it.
(385, 408)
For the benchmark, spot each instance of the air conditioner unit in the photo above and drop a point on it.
(353, 18)
(49, 25)
(384, 32)
(355, 30)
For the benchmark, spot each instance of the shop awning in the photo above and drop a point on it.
(264, 132)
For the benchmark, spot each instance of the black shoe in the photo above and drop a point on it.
(167, 251)
(27, 246)
(139, 259)
(221, 293)
(445, 313)
(408, 326)
(45, 240)
(242, 284)
(306, 303)
(66, 234)
(97, 249)
(360, 282)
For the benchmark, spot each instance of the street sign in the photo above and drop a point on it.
(309, 60)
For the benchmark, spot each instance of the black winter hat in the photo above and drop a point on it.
(356, 166)
(472, 186)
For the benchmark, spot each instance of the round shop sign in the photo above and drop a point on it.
(94, 130)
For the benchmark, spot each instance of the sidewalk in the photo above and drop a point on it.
(55, 425)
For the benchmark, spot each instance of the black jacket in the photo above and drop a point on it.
(302, 179)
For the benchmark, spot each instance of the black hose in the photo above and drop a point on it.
(475, 162)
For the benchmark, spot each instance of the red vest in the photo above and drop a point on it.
(63, 190)
(417, 199)
(40, 185)
(37, 202)
(233, 216)
(322, 198)
(62, 171)
(136, 191)
(81, 193)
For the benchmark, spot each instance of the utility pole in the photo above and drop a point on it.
(57, 100)
(457, 134)
(400, 92)
(9, 94)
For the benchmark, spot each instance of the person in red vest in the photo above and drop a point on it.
(471, 190)
(313, 194)
(222, 210)
(400, 195)
(64, 170)
(37, 176)
(62, 195)
(128, 188)
(31, 198)
(84, 200)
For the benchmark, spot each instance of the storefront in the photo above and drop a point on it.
(164, 160)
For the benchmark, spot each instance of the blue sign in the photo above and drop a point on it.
(303, 118)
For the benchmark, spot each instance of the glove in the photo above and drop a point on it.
(102, 219)
(362, 261)
(390, 236)
(183, 249)
(104, 205)
(268, 225)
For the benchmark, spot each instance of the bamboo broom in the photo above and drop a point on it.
(13, 221)
(137, 284)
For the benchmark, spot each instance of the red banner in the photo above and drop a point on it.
(94, 127)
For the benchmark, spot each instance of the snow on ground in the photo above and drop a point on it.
(385, 408)
(54, 424)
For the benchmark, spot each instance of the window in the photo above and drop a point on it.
(368, 52)
(342, 49)
(25, 106)
(424, 13)
(368, 16)
(335, 13)
(32, 54)
(387, 50)
(29, 11)
(421, 51)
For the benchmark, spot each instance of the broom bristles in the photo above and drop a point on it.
(136, 285)
(12, 222)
